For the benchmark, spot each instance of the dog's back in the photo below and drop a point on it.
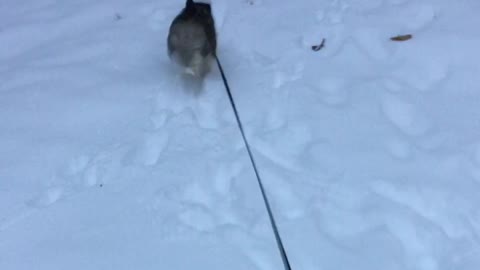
(192, 38)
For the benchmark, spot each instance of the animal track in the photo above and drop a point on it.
(81, 172)
(399, 148)
(331, 91)
(272, 144)
(427, 75)
(49, 197)
(153, 146)
(290, 74)
(405, 116)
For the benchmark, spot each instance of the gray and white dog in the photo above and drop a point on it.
(192, 40)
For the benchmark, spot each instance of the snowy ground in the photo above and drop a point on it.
(369, 148)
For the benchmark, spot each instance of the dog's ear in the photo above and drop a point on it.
(189, 4)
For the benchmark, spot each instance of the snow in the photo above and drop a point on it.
(369, 149)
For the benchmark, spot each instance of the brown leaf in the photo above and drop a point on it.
(402, 37)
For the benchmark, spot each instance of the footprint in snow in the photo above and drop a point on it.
(198, 203)
(159, 118)
(399, 148)
(208, 103)
(206, 203)
(204, 102)
(288, 74)
(48, 197)
(272, 144)
(104, 166)
(152, 147)
(291, 204)
(421, 73)
(198, 218)
(72, 174)
(331, 91)
(225, 175)
(170, 100)
(275, 117)
(415, 240)
(405, 116)
(81, 172)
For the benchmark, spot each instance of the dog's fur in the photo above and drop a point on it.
(192, 40)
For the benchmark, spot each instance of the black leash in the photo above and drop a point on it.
(278, 239)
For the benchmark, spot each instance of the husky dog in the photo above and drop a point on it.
(192, 40)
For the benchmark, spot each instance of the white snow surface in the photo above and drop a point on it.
(369, 149)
